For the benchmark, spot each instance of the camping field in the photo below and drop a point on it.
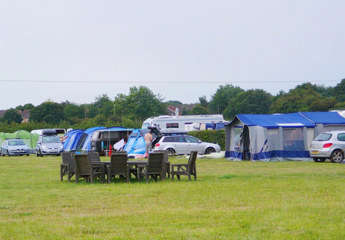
(230, 200)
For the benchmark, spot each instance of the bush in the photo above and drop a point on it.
(213, 136)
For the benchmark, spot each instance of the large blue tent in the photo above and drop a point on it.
(277, 136)
(71, 140)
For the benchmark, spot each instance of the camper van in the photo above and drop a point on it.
(49, 141)
(185, 123)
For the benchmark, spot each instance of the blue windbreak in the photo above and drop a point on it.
(135, 143)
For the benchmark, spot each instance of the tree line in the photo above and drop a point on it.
(140, 103)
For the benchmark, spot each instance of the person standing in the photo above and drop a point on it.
(148, 143)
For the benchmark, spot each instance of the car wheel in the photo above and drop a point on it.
(337, 156)
(210, 150)
(171, 152)
(7, 153)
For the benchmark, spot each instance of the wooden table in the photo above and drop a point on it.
(138, 166)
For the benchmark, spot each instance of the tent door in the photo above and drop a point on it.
(245, 142)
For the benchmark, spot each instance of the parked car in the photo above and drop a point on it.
(328, 145)
(184, 144)
(49, 145)
(14, 147)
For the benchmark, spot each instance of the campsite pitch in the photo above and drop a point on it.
(230, 200)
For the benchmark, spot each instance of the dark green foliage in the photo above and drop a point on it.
(339, 91)
(303, 98)
(73, 113)
(198, 109)
(213, 136)
(203, 101)
(252, 101)
(12, 115)
(130, 110)
(140, 104)
(221, 99)
(49, 112)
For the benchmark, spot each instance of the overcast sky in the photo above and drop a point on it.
(77, 50)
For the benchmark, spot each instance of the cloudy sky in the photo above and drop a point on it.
(77, 50)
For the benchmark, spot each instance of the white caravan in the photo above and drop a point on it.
(185, 123)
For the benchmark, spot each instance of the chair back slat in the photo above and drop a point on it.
(93, 157)
(191, 161)
(68, 159)
(155, 162)
(65, 157)
(83, 166)
(119, 163)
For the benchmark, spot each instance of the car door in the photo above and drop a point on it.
(341, 140)
(194, 144)
(181, 145)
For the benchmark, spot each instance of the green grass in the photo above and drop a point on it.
(230, 200)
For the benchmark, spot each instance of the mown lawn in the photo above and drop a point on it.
(230, 200)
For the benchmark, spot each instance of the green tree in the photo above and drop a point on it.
(221, 99)
(49, 112)
(141, 103)
(198, 109)
(203, 101)
(303, 98)
(12, 115)
(73, 112)
(339, 91)
(254, 101)
(104, 106)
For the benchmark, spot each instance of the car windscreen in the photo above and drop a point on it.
(51, 139)
(16, 142)
(323, 137)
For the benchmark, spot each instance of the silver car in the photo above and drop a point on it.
(49, 145)
(15, 147)
(328, 145)
(184, 144)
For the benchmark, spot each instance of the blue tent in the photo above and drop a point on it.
(136, 143)
(277, 136)
(86, 139)
(71, 140)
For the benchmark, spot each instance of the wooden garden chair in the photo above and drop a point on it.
(93, 157)
(155, 166)
(188, 169)
(67, 166)
(166, 165)
(118, 166)
(87, 170)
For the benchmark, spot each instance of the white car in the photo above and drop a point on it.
(184, 144)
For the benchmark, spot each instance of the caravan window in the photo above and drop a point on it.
(172, 125)
(293, 139)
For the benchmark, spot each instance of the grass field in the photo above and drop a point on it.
(230, 200)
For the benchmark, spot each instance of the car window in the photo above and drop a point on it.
(191, 139)
(16, 142)
(341, 137)
(51, 139)
(323, 137)
(168, 139)
(181, 139)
